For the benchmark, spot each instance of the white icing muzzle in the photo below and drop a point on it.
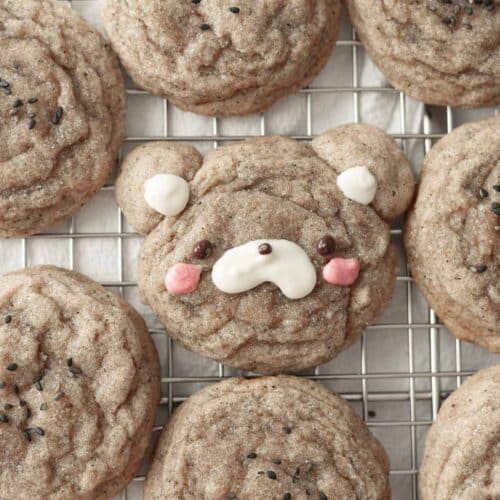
(167, 194)
(358, 184)
(287, 266)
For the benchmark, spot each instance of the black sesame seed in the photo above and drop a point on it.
(490, 6)
(205, 27)
(28, 413)
(8, 406)
(12, 367)
(4, 418)
(478, 269)
(39, 431)
(265, 249)
(38, 385)
(75, 370)
(276, 461)
(2, 385)
(32, 100)
(496, 187)
(69, 361)
(468, 10)
(271, 474)
(22, 403)
(5, 91)
(195, 1)
(495, 207)
(448, 20)
(478, 2)
(32, 123)
(4, 84)
(287, 430)
(44, 406)
(30, 114)
(483, 193)
(286, 496)
(17, 103)
(467, 26)
(322, 496)
(26, 434)
(252, 455)
(234, 10)
(230, 496)
(7, 319)
(59, 396)
(56, 117)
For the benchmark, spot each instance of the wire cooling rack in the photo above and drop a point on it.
(403, 367)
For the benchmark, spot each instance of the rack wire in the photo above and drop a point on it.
(399, 399)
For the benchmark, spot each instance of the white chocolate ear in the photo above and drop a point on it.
(154, 183)
(358, 184)
(167, 194)
(350, 146)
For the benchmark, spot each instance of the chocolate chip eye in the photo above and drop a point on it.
(265, 249)
(202, 249)
(326, 245)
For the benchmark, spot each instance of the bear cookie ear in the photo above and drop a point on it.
(371, 169)
(154, 183)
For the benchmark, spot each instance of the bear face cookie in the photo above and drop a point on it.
(79, 386)
(281, 255)
(452, 234)
(223, 57)
(269, 437)
(439, 52)
(62, 103)
(462, 450)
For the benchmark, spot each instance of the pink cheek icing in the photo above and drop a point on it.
(182, 278)
(341, 271)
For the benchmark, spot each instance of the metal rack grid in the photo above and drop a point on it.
(422, 386)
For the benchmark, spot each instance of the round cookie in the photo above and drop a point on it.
(62, 103)
(269, 267)
(79, 386)
(452, 233)
(462, 448)
(439, 52)
(270, 437)
(223, 57)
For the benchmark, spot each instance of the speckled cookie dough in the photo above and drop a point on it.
(79, 386)
(452, 234)
(272, 437)
(270, 267)
(439, 52)
(231, 57)
(462, 448)
(62, 104)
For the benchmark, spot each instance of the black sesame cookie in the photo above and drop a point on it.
(79, 386)
(223, 57)
(439, 52)
(462, 448)
(452, 234)
(268, 254)
(270, 437)
(61, 113)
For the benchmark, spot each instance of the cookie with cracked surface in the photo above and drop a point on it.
(444, 53)
(257, 255)
(62, 103)
(452, 233)
(79, 385)
(223, 58)
(270, 437)
(462, 448)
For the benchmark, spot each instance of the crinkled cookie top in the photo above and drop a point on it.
(223, 57)
(440, 52)
(453, 238)
(462, 449)
(266, 438)
(79, 383)
(62, 113)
